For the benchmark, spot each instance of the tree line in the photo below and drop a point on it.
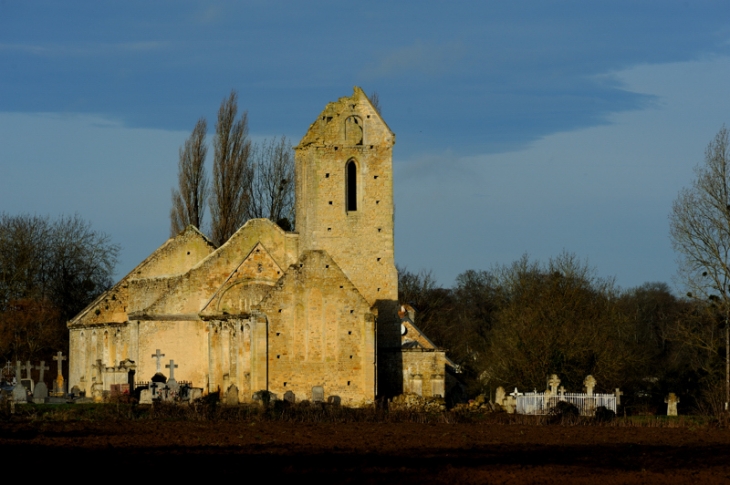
(49, 271)
(516, 324)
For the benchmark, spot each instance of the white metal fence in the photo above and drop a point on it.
(537, 403)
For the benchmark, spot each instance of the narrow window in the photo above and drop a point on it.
(351, 189)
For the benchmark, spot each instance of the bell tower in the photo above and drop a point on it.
(344, 196)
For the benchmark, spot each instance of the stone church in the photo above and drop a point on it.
(274, 310)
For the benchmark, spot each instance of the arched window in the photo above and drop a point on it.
(351, 188)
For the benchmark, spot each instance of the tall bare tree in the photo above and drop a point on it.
(231, 171)
(272, 184)
(700, 232)
(191, 195)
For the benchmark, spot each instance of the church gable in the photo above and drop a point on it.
(148, 279)
(349, 121)
(246, 286)
(194, 290)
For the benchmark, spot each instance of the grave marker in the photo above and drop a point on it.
(672, 400)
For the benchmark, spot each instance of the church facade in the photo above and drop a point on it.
(274, 310)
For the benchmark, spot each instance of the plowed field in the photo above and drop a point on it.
(373, 453)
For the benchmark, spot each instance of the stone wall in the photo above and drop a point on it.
(321, 333)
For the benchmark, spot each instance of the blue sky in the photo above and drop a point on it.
(522, 127)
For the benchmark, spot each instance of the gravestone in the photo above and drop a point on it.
(40, 391)
(554, 382)
(232, 395)
(499, 396)
(28, 380)
(20, 394)
(318, 394)
(289, 397)
(145, 396)
(59, 387)
(590, 383)
(618, 394)
(171, 382)
(336, 400)
(672, 400)
(159, 376)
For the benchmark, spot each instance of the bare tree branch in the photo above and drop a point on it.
(700, 233)
(272, 186)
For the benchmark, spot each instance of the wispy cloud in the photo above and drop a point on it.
(418, 57)
(84, 49)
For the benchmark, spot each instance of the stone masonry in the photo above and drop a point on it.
(284, 312)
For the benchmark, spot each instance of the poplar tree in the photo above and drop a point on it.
(232, 172)
(191, 195)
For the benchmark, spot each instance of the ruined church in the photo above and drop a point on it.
(311, 310)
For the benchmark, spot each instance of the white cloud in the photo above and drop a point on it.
(603, 192)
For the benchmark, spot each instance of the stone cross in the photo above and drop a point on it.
(562, 392)
(672, 400)
(172, 366)
(618, 394)
(554, 382)
(8, 367)
(590, 383)
(515, 393)
(157, 355)
(43, 367)
(28, 367)
(59, 357)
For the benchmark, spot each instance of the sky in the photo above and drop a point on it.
(530, 127)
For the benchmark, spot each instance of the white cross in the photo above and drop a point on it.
(515, 394)
(157, 355)
(43, 367)
(172, 366)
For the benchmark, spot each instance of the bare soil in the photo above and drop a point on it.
(374, 452)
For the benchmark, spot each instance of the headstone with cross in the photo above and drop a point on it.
(172, 366)
(42, 368)
(40, 391)
(590, 383)
(618, 394)
(27, 381)
(58, 387)
(171, 382)
(158, 355)
(561, 390)
(20, 394)
(672, 400)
